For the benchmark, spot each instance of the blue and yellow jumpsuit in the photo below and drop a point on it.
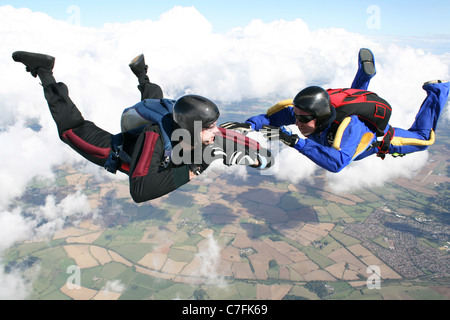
(353, 139)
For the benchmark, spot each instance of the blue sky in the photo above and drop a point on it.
(369, 17)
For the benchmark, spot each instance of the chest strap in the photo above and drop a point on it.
(117, 155)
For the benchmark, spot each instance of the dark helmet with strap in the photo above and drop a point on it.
(192, 108)
(315, 100)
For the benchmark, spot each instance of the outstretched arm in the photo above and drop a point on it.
(278, 115)
(235, 148)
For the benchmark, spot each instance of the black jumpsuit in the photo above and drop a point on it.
(147, 180)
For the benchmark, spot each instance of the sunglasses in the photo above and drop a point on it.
(305, 118)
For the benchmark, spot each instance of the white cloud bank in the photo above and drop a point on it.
(262, 60)
(209, 256)
(38, 223)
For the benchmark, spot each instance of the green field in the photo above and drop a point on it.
(259, 250)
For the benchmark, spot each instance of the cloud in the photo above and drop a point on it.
(374, 172)
(289, 164)
(52, 217)
(20, 224)
(13, 227)
(13, 286)
(209, 255)
(25, 154)
(35, 224)
(115, 286)
(270, 61)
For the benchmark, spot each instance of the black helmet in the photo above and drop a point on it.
(191, 108)
(316, 101)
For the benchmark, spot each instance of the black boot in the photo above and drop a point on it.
(34, 61)
(139, 68)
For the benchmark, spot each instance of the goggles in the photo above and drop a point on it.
(305, 118)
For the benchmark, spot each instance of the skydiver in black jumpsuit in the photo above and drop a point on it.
(146, 149)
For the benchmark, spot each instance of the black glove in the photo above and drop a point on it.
(273, 133)
(196, 168)
(242, 128)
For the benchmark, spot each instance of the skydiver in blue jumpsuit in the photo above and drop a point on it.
(311, 111)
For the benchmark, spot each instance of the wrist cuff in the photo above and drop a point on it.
(300, 144)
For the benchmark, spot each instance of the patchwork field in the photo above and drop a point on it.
(222, 238)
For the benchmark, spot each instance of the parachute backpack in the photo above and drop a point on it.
(151, 111)
(374, 111)
(132, 122)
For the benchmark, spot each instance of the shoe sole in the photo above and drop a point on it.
(366, 58)
(136, 60)
(435, 81)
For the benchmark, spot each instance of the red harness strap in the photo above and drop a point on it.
(143, 165)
